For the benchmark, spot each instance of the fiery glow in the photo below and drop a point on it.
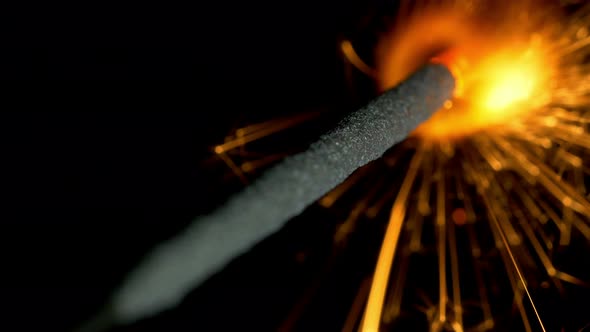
(509, 85)
(506, 160)
(491, 90)
(511, 71)
(499, 76)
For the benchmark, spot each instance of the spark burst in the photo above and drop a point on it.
(504, 159)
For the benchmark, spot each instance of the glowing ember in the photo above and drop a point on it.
(492, 90)
(503, 160)
(495, 135)
(509, 85)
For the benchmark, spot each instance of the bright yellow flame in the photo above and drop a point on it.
(502, 72)
(505, 85)
(492, 91)
(512, 85)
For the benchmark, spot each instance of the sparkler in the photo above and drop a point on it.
(174, 268)
(504, 159)
(515, 131)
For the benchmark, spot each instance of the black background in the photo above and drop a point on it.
(109, 114)
(102, 151)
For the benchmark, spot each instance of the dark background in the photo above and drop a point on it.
(109, 114)
(110, 110)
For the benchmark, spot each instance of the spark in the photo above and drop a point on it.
(255, 132)
(381, 276)
(512, 142)
(518, 110)
(493, 90)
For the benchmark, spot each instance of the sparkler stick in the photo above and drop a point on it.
(177, 266)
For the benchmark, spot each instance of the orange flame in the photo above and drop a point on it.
(498, 78)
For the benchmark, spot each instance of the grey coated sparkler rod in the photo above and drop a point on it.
(177, 266)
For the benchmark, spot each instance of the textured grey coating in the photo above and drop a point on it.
(210, 242)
